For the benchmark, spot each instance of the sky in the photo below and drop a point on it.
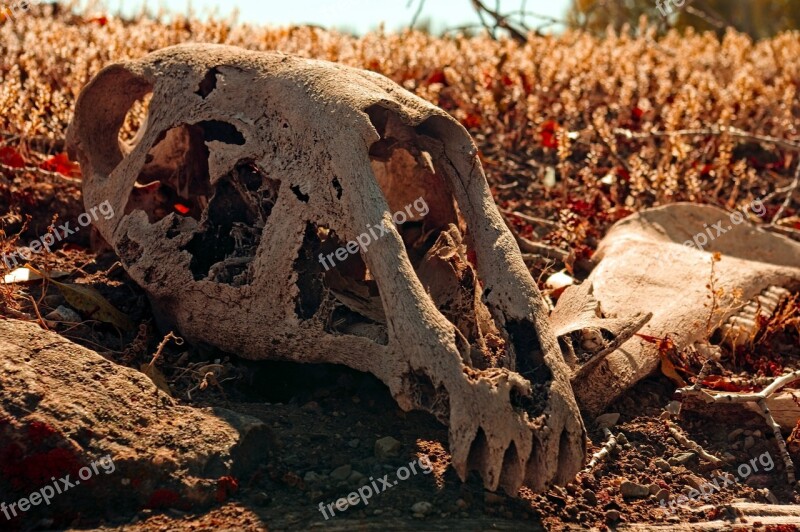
(355, 15)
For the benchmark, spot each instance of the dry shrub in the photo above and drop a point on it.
(550, 106)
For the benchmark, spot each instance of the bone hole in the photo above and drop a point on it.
(229, 233)
(339, 294)
(208, 84)
(432, 399)
(531, 365)
(406, 172)
(134, 120)
(175, 176)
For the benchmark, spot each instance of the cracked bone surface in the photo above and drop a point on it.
(275, 161)
(644, 267)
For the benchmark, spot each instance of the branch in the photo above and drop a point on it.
(758, 398)
(500, 21)
(714, 130)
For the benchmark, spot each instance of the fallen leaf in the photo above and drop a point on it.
(10, 157)
(155, 375)
(61, 164)
(90, 302)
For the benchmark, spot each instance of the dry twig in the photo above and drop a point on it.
(759, 398)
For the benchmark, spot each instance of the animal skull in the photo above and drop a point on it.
(277, 161)
(650, 267)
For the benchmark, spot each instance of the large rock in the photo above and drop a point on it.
(64, 407)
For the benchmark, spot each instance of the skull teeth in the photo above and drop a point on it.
(740, 328)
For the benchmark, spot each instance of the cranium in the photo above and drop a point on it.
(276, 161)
(650, 264)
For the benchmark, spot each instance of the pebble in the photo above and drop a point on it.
(681, 459)
(757, 434)
(311, 476)
(663, 465)
(638, 464)
(612, 516)
(633, 490)
(622, 439)
(354, 443)
(356, 478)
(590, 497)
(695, 482)
(311, 406)
(422, 508)
(654, 488)
(662, 495)
(734, 434)
(262, 499)
(342, 472)
(387, 447)
(462, 504)
(64, 314)
(749, 442)
(492, 498)
(607, 420)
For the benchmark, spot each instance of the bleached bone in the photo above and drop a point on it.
(280, 159)
(644, 267)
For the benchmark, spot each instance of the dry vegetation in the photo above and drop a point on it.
(572, 129)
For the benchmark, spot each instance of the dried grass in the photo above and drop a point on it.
(552, 105)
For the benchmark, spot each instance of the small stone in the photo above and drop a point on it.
(311, 476)
(422, 508)
(662, 495)
(612, 516)
(387, 447)
(356, 478)
(311, 406)
(262, 499)
(728, 457)
(638, 464)
(681, 459)
(342, 472)
(492, 498)
(462, 504)
(607, 420)
(622, 439)
(749, 442)
(65, 315)
(734, 434)
(590, 497)
(353, 444)
(662, 464)
(757, 434)
(654, 488)
(633, 490)
(695, 482)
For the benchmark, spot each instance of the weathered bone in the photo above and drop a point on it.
(278, 159)
(645, 268)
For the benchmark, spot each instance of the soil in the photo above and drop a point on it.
(325, 417)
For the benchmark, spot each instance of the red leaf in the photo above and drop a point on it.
(60, 163)
(183, 209)
(720, 383)
(548, 134)
(437, 77)
(638, 113)
(11, 157)
(226, 486)
(101, 21)
(472, 121)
